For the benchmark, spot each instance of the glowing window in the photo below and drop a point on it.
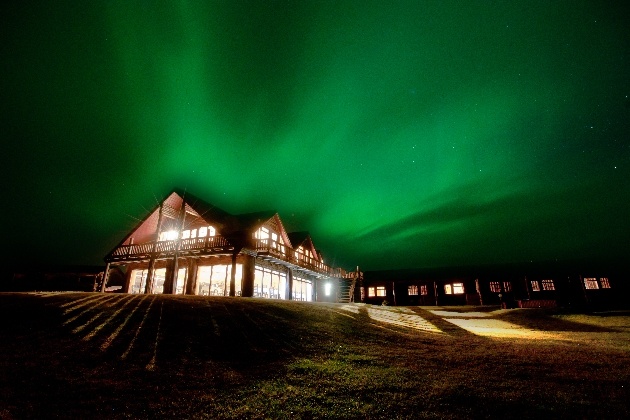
(186, 234)
(262, 233)
(507, 286)
(371, 291)
(423, 290)
(548, 285)
(412, 290)
(458, 288)
(327, 289)
(448, 289)
(495, 287)
(380, 291)
(604, 282)
(203, 232)
(591, 283)
(535, 286)
(170, 235)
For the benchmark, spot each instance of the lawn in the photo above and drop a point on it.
(90, 355)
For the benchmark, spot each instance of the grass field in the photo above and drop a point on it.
(85, 355)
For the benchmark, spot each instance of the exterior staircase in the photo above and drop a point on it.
(345, 294)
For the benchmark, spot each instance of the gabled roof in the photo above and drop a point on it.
(237, 229)
(297, 238)
(218, 218)
(249, 222)
(304, 239)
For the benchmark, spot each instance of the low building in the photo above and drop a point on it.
(570, 285)
(188, 246)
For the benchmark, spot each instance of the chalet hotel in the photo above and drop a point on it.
(187, 246)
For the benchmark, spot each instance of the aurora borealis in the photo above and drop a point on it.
(400, 134)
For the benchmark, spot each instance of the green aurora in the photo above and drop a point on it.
(400, 134)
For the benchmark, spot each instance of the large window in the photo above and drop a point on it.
(302, 289)
(507, 286)
(448, 289)
(495, 287)
(604, 282)
(412, 290)
(138, 281)
(271, 239)
(380, 291)
(591, 283)
(535, 286)
(214, 280)
(269, 283)
(423, 290)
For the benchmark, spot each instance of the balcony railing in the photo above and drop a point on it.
(208, 244)
(287, 254)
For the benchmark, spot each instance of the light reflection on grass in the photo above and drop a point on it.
(403, 317)
(497, 328)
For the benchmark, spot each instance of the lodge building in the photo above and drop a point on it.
(188, 246)
(543, 285)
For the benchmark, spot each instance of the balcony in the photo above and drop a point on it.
(208, 245)
(295, 259)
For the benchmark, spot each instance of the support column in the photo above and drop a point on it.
(127, 285)
(191, 278)
(435, 291)
(289, 289)
(171, 269)
(170, 283)
(233, 276)
(249, 271)
(150, 271)
(105, 277)
(148, 288)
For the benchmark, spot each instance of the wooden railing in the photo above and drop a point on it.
(288, 254)
(208, 244)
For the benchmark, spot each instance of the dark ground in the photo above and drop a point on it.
(90, 355)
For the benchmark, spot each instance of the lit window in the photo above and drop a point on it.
(604, 282)
(548, 285)
(507, 286)
(193, 233)
(380, 291)
(186, 234)
(423, 290)
(262, 233)
(458, 288)
(591, 283)
(371, 291)
(211, 231)
(168, 236)
(495, 287)
(203, 232)
(448, 289)
(412, 290)
(535, 286)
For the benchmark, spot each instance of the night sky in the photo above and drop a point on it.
(400, 134)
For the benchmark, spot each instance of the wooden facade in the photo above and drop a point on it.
(187, 246)
(542, 286)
